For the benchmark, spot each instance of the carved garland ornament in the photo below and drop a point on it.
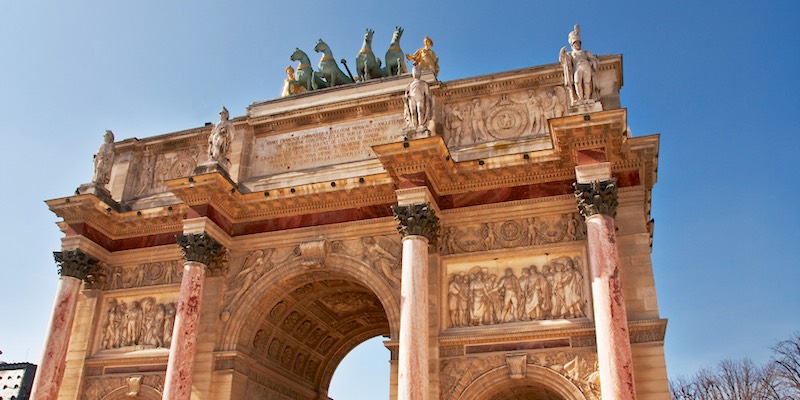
(417, 220)
(597, 197)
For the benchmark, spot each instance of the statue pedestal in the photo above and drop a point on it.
(101, 193)
(586, 108)
(211, 167)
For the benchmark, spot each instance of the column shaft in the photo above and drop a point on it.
(51, 369)
(413, 348)
(611, 322)
(178, 382)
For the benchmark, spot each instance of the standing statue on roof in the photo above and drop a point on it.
(579, 70)
(425, 58)
(419, 103)
(220, 138)
(104, 160)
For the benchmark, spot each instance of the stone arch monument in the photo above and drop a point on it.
(500, 245)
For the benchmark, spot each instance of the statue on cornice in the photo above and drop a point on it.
(220, 138)
(419, 103)
(425, 58)
(104, 160)
(579, 70)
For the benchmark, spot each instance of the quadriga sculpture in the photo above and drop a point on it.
(367, 65)
(328, 69)
(395, 58)
(305, 74)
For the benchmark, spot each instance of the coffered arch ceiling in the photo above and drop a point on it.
(305, 332)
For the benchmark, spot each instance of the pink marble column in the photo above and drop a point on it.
(199, 252)
(418, 226)
(597, 202)
(74, 267)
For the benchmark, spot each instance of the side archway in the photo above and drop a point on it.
(538, 383)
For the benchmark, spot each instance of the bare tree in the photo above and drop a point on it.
(729, 380)
(787, 364)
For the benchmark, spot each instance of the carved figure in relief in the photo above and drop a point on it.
(455, 124)
(111, 331)
(122, 312)
(148, 321)
(573, 289)
(220, 138)
(104, 160)
(395, 62)
(254, 266)
(425, 58)
(381, 259)
(532, 234)
(477, 122)
(477, 291)
(536, 105)
(419, 103)
(511, 291)
(495, 298)
(144, 178)
(133, 322)
(169, 323)
(557, 295)
(572, 228)
(579, 70)
(453, 297)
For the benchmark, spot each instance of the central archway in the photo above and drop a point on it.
(296, 324)
(539, 383)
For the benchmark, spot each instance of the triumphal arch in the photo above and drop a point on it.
(495, 230)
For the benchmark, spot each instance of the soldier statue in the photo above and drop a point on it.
(579, 70)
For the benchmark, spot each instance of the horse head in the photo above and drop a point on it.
(398, 33)
(298, 55)
(321, 46)
(368, 35)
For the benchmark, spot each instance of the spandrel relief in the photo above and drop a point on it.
(533, 288)
(137, 323)
(510, 116)
(532, 231)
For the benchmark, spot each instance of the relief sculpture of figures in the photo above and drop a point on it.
(579, 70)
(253, 267)
(104, 160)
(381, 259)
(146, 324)
(425, 58)
(553, 291)
(419, 103)
(220, 138)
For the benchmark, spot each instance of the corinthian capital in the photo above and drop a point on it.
(200, 247)
(597, 197)
(417, 219)
(75, 263)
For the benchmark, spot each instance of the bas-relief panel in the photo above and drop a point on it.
(516, 289)
(509, 116)
(580, 367)
(534, 231)
(323, 146)
(132, 323)
(145, 274)
(149, 170)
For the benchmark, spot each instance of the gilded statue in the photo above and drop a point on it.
(104, 160)
(291, 85)
(579, 70)
(425, 58)
(220, 138)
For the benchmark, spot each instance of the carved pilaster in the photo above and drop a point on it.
(202, 248)
(76, 264)
(417, 219)
(597, 197)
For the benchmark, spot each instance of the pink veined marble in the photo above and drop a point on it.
(611, 321)
(51, 369)
(413, 349)
(178, 382)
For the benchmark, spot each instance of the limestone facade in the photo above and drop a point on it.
(311, 261)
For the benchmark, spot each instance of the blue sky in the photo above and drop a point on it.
(716, 79)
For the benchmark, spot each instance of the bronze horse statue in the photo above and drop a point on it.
(305, 73)
(328, 69)
(367, 65)
(395, 58)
